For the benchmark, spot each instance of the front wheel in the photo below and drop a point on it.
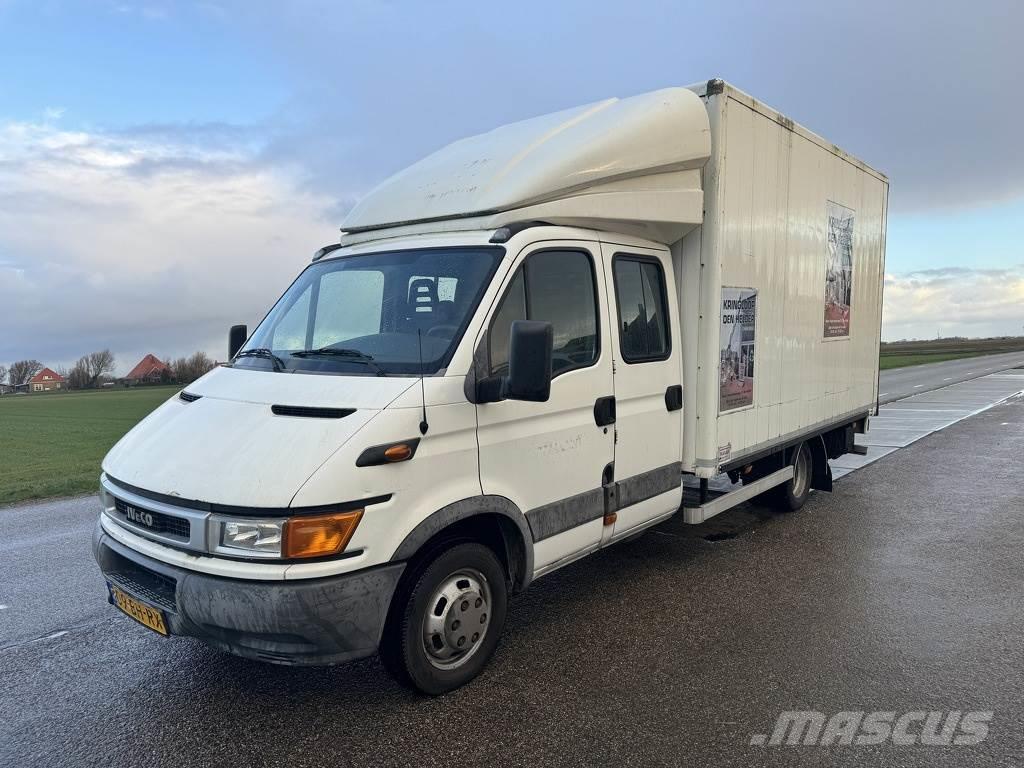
(449, 621)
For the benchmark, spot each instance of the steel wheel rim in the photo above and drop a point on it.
(457, 618)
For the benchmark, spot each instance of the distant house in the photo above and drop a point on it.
(46, 381)
(150, 370)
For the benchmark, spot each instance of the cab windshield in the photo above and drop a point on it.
(373, 314)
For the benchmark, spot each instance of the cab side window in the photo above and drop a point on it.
(556, 287)
(642, 306)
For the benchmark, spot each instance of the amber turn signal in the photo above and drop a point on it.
(398, 452)
(319, 535)
(389, 453)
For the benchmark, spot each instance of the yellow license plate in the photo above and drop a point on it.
(138, 610)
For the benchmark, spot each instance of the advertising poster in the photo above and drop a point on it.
(838, 271)
(736, 364)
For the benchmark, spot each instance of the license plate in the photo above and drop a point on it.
(138, 610)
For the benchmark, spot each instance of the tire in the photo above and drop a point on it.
(446, 623)
(792, 494)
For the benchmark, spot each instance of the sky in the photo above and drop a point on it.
(167, 168)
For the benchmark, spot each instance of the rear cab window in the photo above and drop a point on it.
(641, 303)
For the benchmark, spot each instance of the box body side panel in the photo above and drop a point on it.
(792, 250)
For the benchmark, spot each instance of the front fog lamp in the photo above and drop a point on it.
(258, 537)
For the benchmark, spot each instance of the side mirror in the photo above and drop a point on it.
(236, 338)
(529, 361)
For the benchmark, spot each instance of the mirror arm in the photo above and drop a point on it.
(491, 389)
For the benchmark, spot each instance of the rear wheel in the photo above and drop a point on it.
(449, 620)
(791, 495)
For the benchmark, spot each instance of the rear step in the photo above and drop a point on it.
(719, 501)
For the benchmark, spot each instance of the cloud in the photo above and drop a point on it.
(920, 94)
(143, 241)
(954, 301)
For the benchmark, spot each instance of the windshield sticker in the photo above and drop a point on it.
(736, 362)
(838, 271)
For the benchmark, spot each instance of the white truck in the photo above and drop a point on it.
(530, 345)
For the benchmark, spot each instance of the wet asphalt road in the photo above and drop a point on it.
(900, 591)
(898, 383)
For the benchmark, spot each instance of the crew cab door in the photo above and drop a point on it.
(549, 458)
(647, 379)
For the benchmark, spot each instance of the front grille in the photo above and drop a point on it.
(157, 522)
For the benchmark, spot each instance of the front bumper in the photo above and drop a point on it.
(307, 622)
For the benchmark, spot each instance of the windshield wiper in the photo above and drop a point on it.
(352, 354)
(265, 353)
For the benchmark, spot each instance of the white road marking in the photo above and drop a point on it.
(883, 394)
(892, 420)
(947, 378)
(918, 386)
(51, 636)
(3, 607)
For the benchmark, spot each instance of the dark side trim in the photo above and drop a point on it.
(562, 515)
(565, 514)
(229, 509)
(649, 484)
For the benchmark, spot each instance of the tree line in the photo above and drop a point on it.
(96, 368)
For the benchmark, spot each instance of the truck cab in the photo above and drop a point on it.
(442, 389)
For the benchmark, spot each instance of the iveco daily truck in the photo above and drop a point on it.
(532, 344)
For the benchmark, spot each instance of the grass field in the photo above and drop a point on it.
(52, 444)
(902, 361)
(900, 354)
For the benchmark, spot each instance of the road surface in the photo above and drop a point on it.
(898, 383)
(898, 592)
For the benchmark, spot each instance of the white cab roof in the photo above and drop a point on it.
(631, 162)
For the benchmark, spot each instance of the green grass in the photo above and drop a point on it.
(899, 354)
(52, 444)
(920, 358)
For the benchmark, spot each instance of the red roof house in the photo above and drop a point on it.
(46, 380)
(149, 370)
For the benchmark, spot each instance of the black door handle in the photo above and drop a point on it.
(674, 397)
(604, 411)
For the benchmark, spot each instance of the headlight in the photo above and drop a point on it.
(252, 537)
(294, 537)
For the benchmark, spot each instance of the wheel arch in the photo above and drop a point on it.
(493, 520)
